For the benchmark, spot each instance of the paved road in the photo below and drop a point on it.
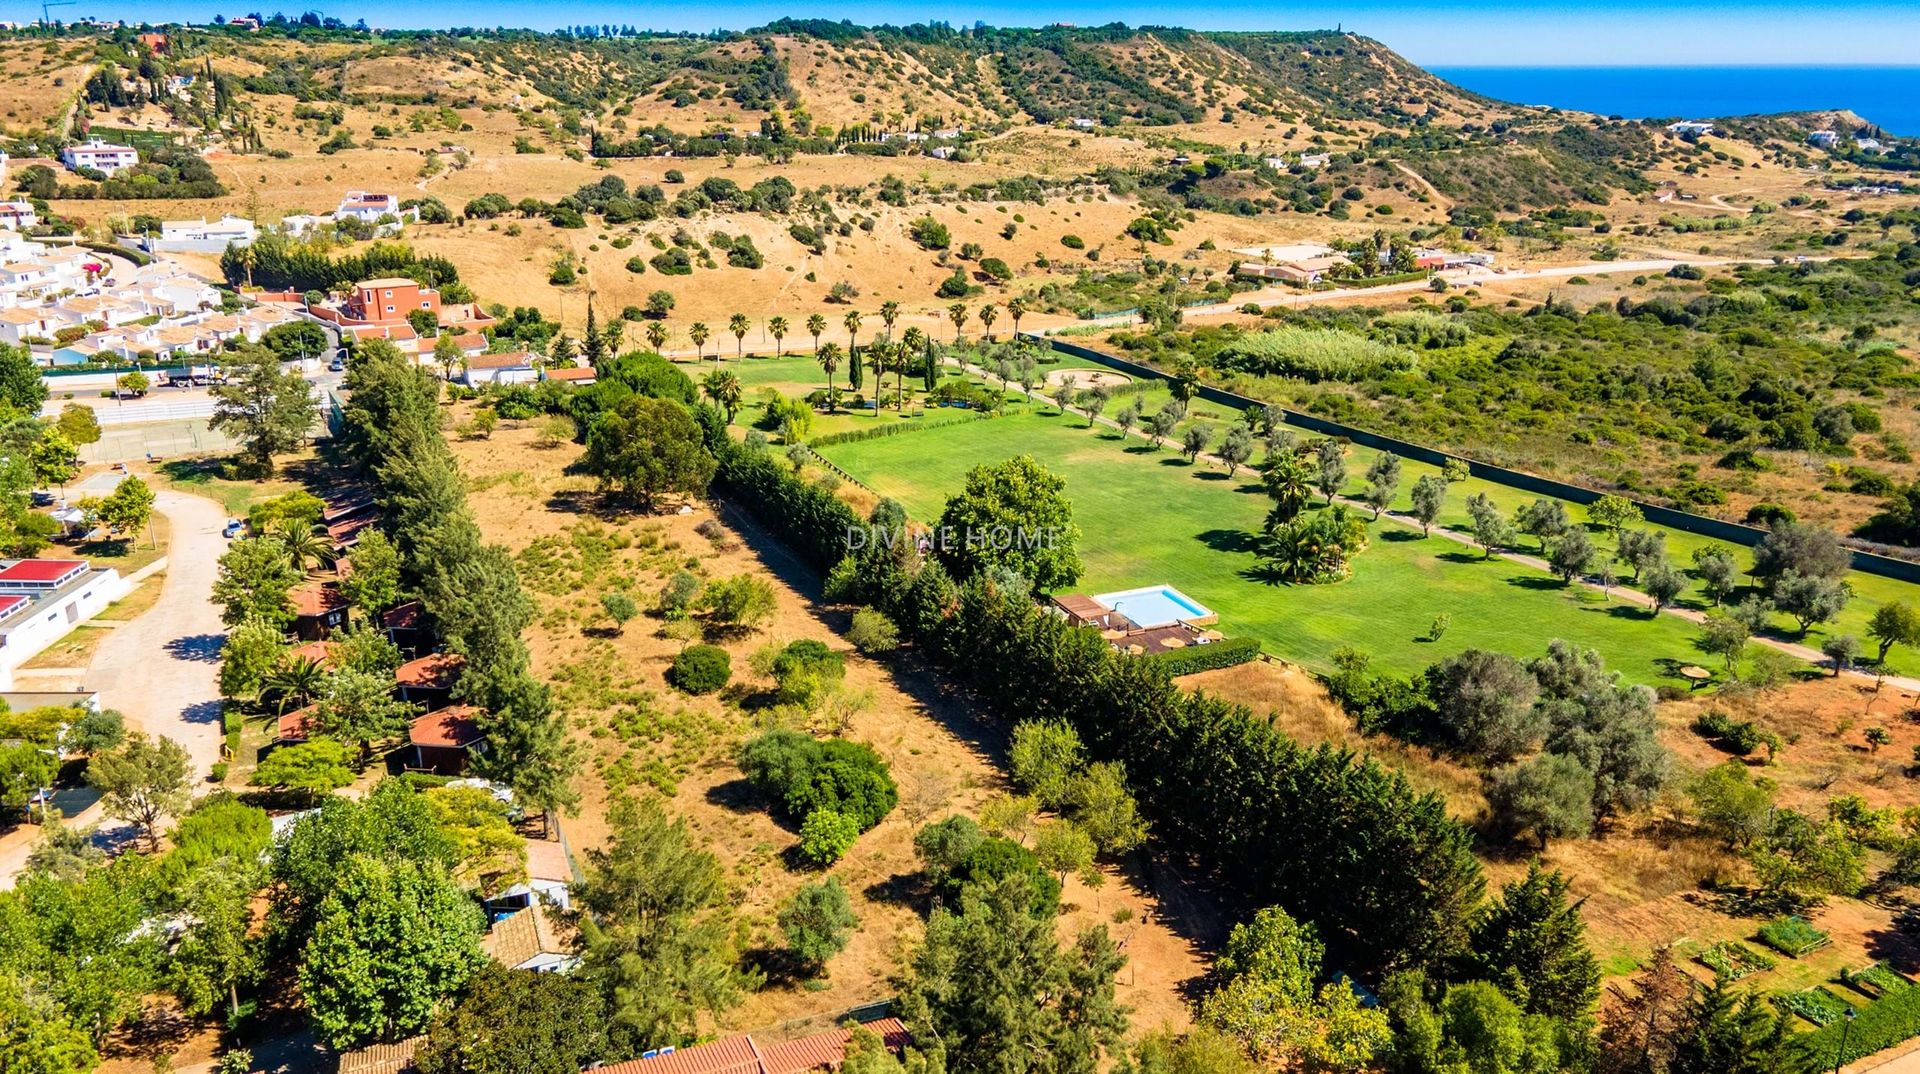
(160, 670)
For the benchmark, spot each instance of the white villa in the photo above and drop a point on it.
(100, 156)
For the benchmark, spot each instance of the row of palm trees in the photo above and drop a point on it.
(740, 324)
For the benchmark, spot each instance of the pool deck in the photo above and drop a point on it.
(1157, 606)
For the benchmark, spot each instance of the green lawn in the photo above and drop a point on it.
(1148, 517)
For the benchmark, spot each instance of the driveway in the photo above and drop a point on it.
(161, 670)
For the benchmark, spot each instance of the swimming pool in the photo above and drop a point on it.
(1156, 606)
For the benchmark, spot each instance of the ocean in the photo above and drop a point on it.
(1888, 96)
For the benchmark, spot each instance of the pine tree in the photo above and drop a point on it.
(1533, 944)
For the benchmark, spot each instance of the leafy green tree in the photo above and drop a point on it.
(254, 581)
(489, 854)
(129, 507)
(659, 936)
(1268, 999)
(511, 1022)
(1533, 944)
(216, 955)
(647, 448)
(1732, 802)
(142, 781)
(1330, 462)
(1543, 519)
(390, 943)
(392, 824)
(1287, 480)
(1490, 528)
(21, 390)
(358, 706)
(1063, 847)
(1572, 555)
(1726, 636)
(1613, 512)
(744, 600)
(818, 922)
(992, 988)
(251, 653)
(1663, 584)
(1235, 449)
(1719, 575)
(1429, 496)
(1810, 599)
(1104, 808)
(1893, 623)
(316, 767)
(78, 423)
(1012, 515)
(1044, 758)
(54, 459)
(1803, 548)
(268, 410)
(1383, 481)
(826, 835)
(373, 584)
(618, 607)
(943, 847)
(1485, 703)
(1550, 795)
(37, 1036)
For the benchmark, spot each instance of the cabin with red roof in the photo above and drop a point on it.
(742, 1054)
(443, 741)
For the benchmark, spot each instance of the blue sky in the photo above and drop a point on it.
(1432, 32)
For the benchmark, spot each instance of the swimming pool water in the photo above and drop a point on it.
(1154, 606)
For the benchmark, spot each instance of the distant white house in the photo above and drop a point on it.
(18, 215)
(202, 236)
(363, 205)
(941, 152)
(514, 368)
(1696, 128)
(1083, 123)
(1315, 160)
(100, 156)
(1278, 164)
(1823, 139)
(42, 599)
(3, 168)
(1867, 145)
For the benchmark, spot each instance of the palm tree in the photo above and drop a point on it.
(698, 333)
(738, 325)
(294, 683)
(777, 327)
(957, 313)
(852, 321)
(829, 357)
(879, 358)
(914, 341)
(988, 313)
(306, 545)
(723, 387)
(657, 334)
(1015, 308)
(889, 313)
(816, 324)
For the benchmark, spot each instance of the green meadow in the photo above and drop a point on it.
(1148, 516)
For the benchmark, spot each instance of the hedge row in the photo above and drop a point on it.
(878, 431)
(1221, 654)
(1880, 1025)
(1389, 878)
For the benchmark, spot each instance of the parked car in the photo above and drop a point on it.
(235, 527)
(337, 364)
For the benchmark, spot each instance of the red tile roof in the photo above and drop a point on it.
(508, 360)
(435, 671)
(743, 1055)
(403, 616)
(293, 725)
(382, 1058)
(585, 372)
(452, 728)
(313, 599)
(40, 571)
(320, 652)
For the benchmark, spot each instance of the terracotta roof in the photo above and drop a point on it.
(348, 530)
(293, 725)
(320, 652)
(314, 599)
(526, 935)
(547, 860)
(450, 728)
(436, 671)
(585, 372)
(509, 360)
(403, 616)
(742, 1055)
(382, 1058)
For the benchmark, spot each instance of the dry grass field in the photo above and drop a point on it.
(643, 737)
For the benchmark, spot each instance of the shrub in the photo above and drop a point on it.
(872, 632)
(701, 669)
(805, 775)
(1230, 652)
(804, 669)
(931, 234)
(826, 836)
(1073, 242)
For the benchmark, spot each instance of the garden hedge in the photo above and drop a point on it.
(1880, 1025)
(1388, 877)
(1227, 653)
